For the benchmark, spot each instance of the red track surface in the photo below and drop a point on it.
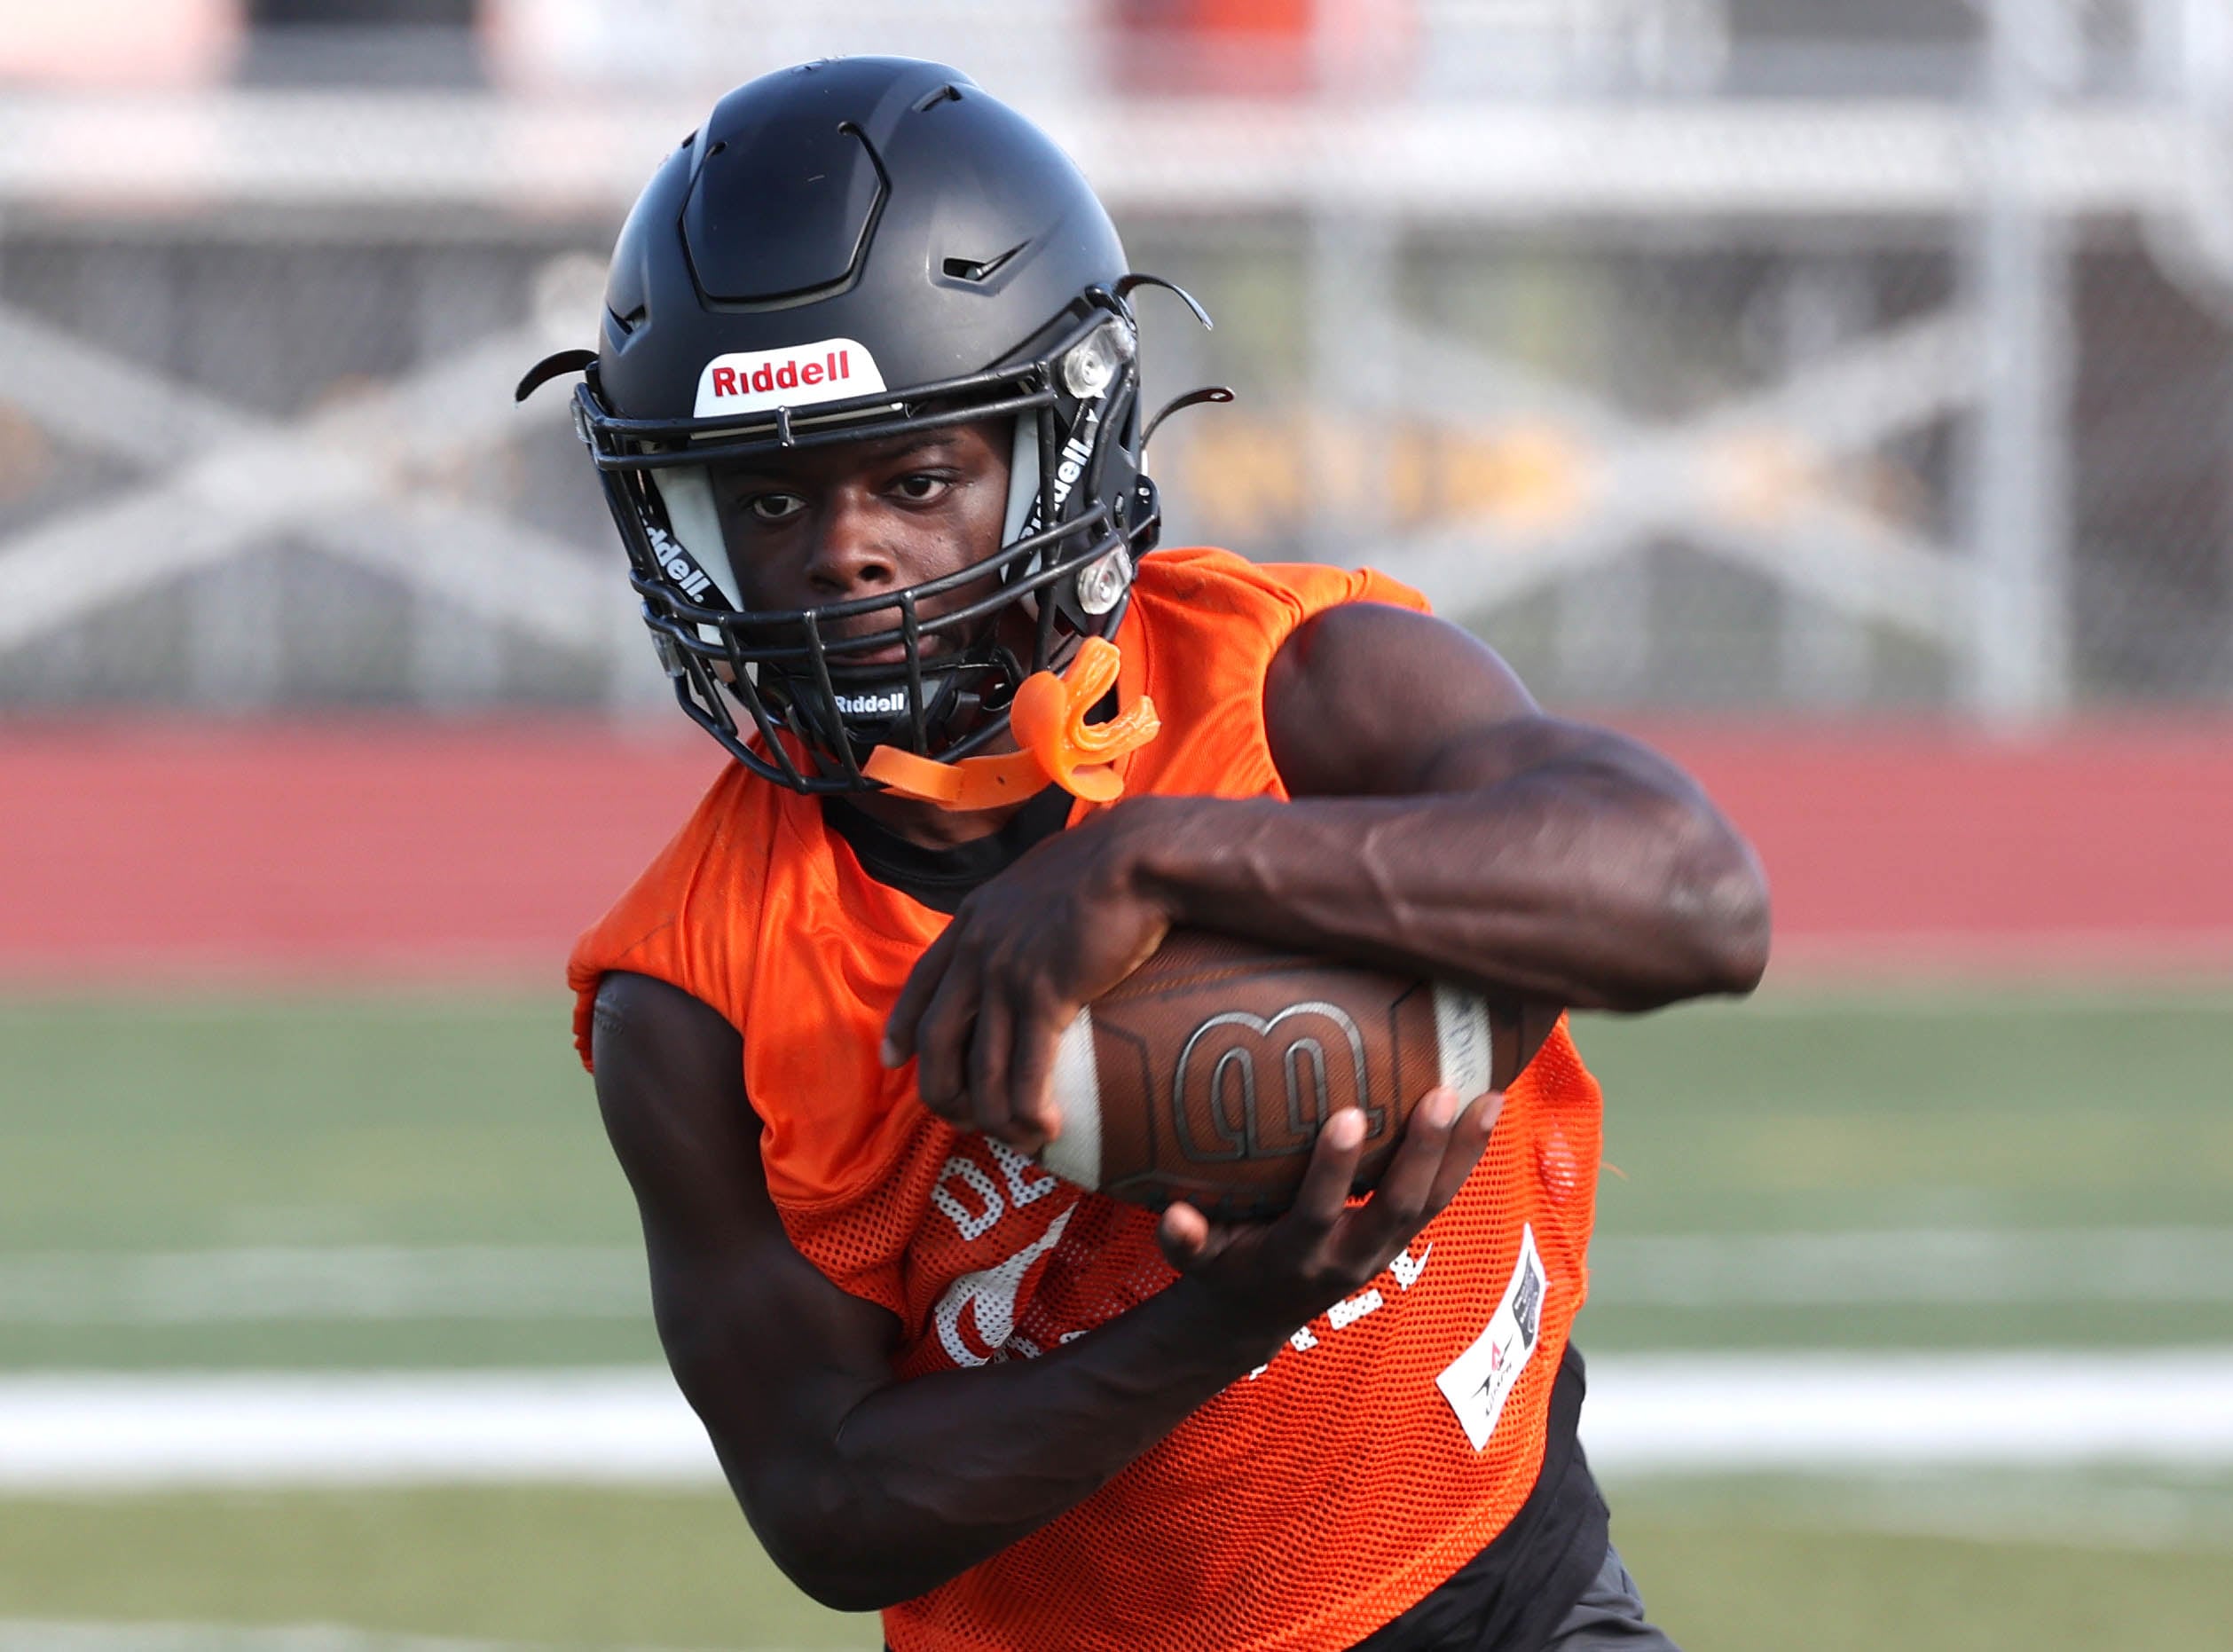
(324, 851)
(2105, 847)
(399, 851)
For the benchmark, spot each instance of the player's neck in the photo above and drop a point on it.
(928, 826)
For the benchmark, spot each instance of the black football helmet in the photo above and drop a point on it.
(848, 250)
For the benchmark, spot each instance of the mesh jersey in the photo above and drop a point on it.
(1313, 1499)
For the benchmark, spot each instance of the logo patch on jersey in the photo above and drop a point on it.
(1479, 1380)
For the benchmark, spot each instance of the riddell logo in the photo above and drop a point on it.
(787, 374)
(1077, 453)
(889, 704)
(679, 566)
(755, 382)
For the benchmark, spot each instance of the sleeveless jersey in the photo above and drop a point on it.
(1315, 1499)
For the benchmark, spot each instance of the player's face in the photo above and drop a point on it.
(839, 523)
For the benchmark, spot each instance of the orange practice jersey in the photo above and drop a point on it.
(1313, 1499)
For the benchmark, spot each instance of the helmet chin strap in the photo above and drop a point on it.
(1048, 718)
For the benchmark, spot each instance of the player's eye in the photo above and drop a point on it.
(776, 507)
(922, 486)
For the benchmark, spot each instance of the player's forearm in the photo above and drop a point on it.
(925, 1479)
(1576, 882)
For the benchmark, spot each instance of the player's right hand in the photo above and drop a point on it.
(984, 1010)
(1275, 1276)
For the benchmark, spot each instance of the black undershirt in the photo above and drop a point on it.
(1509, 1596)
(938, 878)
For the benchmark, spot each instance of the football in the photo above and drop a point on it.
(1205, 1073)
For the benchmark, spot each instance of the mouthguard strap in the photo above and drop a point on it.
(1048, 720)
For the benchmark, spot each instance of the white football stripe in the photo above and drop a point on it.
(1075, 1154)
(1462, 1035)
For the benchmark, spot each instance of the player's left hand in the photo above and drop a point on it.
(985, 1006)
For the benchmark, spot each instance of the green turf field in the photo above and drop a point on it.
(1732, 1569)
(419, 1182)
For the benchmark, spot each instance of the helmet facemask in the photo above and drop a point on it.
(1079, 513)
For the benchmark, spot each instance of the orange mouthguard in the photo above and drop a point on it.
(1048, 720)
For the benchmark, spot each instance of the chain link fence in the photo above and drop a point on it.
(1689, 376)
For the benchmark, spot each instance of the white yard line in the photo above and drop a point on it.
(98, 1431)
(1647, 1414)
(1693, 1413)
(1891, 1267)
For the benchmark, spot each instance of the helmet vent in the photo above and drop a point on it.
(630, 322)
(784, 209)
(981, 269)
(947, 93)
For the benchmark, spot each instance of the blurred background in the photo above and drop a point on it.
(1839, 392)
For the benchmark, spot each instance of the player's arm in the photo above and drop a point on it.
(865, 1491)
(1441, 822)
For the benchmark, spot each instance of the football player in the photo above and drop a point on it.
(866, 409)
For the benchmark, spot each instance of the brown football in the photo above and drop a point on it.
(1205, 1074)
